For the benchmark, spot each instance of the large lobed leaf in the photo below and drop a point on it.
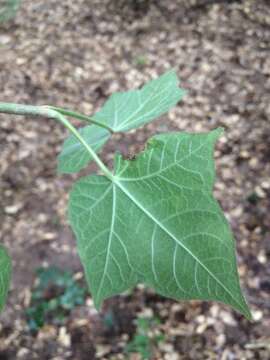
(123, 111)
(5, 275)
(158, 223)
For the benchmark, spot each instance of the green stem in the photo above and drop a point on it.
(79, 116)
(45, 111)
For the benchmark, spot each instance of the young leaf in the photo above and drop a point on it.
(158, 223)
(5, 275)
(129, 110)
(74, 156)
(122, 112)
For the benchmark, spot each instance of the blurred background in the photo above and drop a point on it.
(75, 54)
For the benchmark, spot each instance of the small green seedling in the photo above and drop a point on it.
(145, 339)
(8, 9)
(152, 219)
(140, 61)
(53, 297)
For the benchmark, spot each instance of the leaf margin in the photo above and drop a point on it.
(152, 143)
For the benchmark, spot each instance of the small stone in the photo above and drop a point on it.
(147, 312)
(227, 318)
(22, 352)
(265, 185)
(260, 192)
(49, 236)
(13, 209)
(256, 315)
(4, 39)
(262, 257)
(64, 337)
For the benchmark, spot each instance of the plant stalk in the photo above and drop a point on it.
(45, 111)
(79, 116)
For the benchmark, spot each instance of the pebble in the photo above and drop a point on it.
(64, 337)
(13, 209)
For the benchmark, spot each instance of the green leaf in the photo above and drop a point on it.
(158, 223)
(124, 111)
(5, 275)
(74, 156)
(180, 166)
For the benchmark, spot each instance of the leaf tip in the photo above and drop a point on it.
(218, 132)
(246, 310)
(248, 315)
(97, 303)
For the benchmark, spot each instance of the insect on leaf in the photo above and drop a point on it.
(157, 223)
(124, 111)
(74, 156)
(5, 275)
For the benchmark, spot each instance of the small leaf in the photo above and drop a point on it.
(74, 156)
(129, 110)
(5, 275)
(158, 223)
(122, 112)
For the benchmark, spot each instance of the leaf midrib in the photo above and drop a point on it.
(142, 105)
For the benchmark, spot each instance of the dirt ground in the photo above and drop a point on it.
(74, 54)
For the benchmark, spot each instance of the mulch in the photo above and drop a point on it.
(74, 54)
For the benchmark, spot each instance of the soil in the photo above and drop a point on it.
(75, 54)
